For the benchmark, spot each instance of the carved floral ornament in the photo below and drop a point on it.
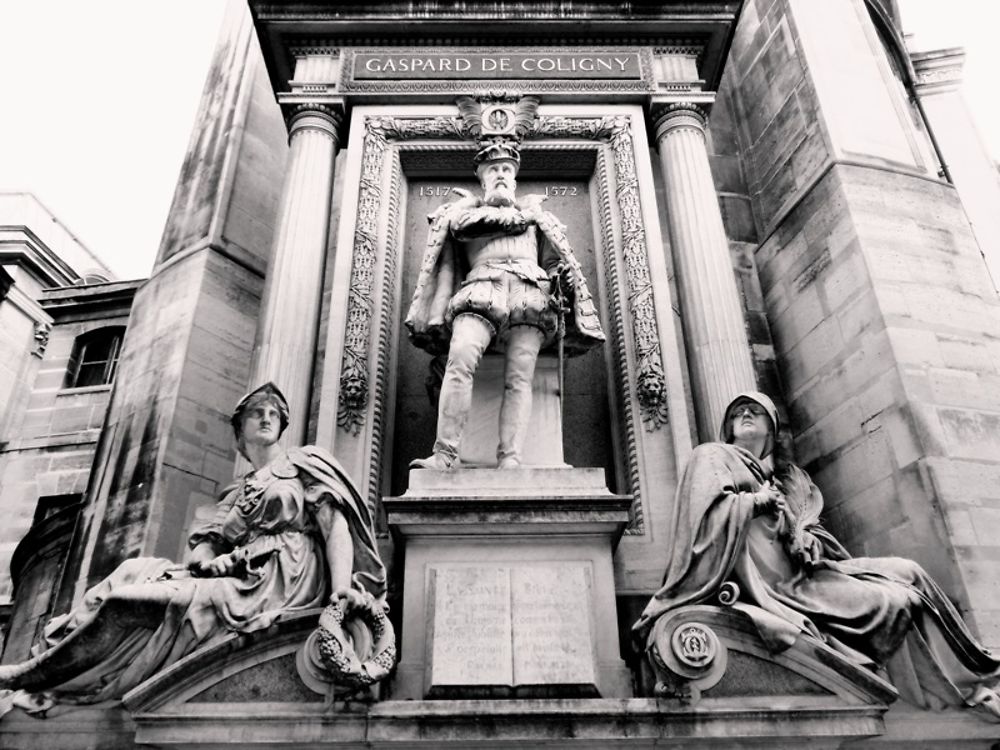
(42, 331)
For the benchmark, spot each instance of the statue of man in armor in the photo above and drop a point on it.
(497, 273)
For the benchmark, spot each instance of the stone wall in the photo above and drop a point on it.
(18, 315)
(884, 321)
(167, 448)
(54, 449)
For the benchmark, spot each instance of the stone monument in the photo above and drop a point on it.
(509, 585)
(292, 535)
(751, 537)
(523, 290)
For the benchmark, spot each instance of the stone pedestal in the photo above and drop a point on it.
(543, 444)
(509, 588)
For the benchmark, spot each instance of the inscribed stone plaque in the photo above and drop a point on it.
(472, 65)
(472, 620)
(551, 622)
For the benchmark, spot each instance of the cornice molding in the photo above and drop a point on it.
(113, 299)
(27, 248)
(6, 281)
(939, 70)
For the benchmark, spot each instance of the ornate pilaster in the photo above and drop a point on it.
(714, 328)
(289, 321)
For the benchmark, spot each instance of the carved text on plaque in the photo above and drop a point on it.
(551, 624)
(510, 626)
(472, 638)
(471, 65)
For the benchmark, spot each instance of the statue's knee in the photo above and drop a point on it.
(463, 358)
(519, 371)
(908, 570)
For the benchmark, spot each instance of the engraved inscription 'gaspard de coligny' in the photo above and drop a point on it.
(401, 65)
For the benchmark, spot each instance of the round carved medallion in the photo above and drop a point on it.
(694, 645)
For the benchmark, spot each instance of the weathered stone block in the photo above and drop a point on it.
(803, 313)
(971, 434)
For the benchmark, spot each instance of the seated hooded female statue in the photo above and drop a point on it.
(735, 522)
(286, 535)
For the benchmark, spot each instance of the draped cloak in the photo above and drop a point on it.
(863, 607)
(442, 272)
(268, 521)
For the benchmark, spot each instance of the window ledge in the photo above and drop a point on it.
(84, 389)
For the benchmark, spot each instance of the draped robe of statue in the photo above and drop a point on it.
(864, 607)
(151, 612)
(443, 271)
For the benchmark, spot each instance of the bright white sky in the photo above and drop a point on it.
(99, 98)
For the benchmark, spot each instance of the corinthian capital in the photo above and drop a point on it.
(314, 116)
(668, 117)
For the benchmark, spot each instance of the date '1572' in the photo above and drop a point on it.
(550, 190)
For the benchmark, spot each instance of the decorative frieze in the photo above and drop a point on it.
(313, 116)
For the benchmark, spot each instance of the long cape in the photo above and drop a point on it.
(440, 279)
(860, 606)
(334, 485)
(712, 510)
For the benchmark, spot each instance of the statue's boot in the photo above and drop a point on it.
(470, 336)
(133, 606)
(437, 461)
(985, 703)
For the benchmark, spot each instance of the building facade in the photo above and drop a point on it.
(60, 342)
(760, 198)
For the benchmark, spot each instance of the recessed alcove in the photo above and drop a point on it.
(565, 177)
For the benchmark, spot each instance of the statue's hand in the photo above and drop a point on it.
(351, 597)
(769, 500)
(217, 567)
(811, 551)
(565, 276)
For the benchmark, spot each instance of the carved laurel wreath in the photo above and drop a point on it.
(336, 651)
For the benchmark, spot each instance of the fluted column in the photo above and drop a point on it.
(289, 320)
(714, 329)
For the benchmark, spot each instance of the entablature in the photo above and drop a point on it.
(314, 50)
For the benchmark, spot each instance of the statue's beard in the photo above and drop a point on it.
(501, 195)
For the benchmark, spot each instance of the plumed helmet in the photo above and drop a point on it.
(267, 393)
(726, 432)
